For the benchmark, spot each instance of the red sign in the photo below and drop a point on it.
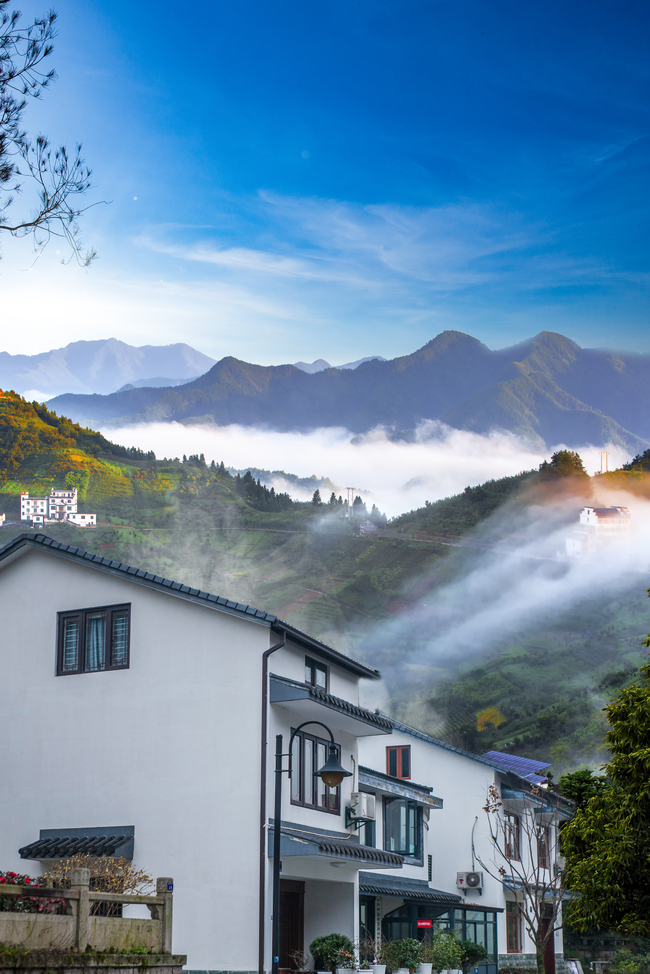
(424, 923)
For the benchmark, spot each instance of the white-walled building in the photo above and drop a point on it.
(599, 528)
(140, 710)
(58, 505)
(453, 841)
(141, 720)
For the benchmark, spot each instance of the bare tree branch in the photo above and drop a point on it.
(57, 178)
(528, 870)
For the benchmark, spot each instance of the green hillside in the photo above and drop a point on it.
(539, 693)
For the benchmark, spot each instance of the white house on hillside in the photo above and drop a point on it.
(599, 528)
(58, 505)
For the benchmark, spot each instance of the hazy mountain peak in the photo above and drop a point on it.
(98, 366)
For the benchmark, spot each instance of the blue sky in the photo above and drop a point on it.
(304, 179)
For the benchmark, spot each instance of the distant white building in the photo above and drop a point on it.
(367, 527)
(598, 527)
(59, 505)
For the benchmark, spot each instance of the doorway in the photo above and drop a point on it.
(292, 922)
(549, 950)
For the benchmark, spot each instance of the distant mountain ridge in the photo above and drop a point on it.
(101, 366)
(547, 389)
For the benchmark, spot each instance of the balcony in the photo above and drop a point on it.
(308, 702)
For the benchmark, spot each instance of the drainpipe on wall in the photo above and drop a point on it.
(276, 832)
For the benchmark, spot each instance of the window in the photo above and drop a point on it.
(91, 640)
(429, 868)
(513, 927)
(543, 846)
(398, 761)
(315, 673)
(308, 754)
(402, 827)
(511, 832)
(367, 834)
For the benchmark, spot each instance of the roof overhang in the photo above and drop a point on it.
(385, 784)
(112, 841)
(412, 890)
(344, 850)
(306, 701)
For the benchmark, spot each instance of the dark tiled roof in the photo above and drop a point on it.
(308, 692)
(398, 781)
(184, 591)
(388, 886)
(349, 850)
(62, 848)
(493, 759)
(350, 708)
(524, 767)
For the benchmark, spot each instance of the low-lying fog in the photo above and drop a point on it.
(397, 476)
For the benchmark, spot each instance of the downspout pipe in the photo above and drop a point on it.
(264, 743)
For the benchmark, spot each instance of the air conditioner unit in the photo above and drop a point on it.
(362, 807)
(471, 880)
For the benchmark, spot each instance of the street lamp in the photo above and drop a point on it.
(332, 774)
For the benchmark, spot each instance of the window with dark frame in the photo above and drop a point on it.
(511, 836)
(513, 927)
(93, 640)
(402, 827)
(398, 761)
(315, 673)
(308, 754)
(543, 846)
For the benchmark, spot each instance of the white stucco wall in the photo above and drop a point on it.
(170, 745)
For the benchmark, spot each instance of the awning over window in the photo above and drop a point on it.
(63, 843)
(370, 780)
(408, 889)
(299, 842)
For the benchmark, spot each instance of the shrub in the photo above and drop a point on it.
(444, 952)
(26, 904)
(107, 875)
(473, 954)
(325, 950)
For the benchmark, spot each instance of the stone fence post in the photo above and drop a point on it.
(164, 888)
(80, 881)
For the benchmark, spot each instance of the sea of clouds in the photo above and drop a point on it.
(397, 476)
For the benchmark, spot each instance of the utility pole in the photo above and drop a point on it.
(606, 455)
(350, 501)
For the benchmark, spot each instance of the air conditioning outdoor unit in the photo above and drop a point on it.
(362, 807)
(471, 880)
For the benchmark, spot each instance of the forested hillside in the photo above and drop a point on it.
(540, 694)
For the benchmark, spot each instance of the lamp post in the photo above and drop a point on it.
(332, 774)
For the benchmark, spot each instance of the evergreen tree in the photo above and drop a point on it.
(607, 844)
(316, 499)
(332, 500)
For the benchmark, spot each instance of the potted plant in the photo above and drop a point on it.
(345, 960)
(473, 954)
(407, 954)
(444, 952)
(324, 950)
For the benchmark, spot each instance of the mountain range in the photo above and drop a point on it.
(109, 365)
(100, 366)
(547, 389)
